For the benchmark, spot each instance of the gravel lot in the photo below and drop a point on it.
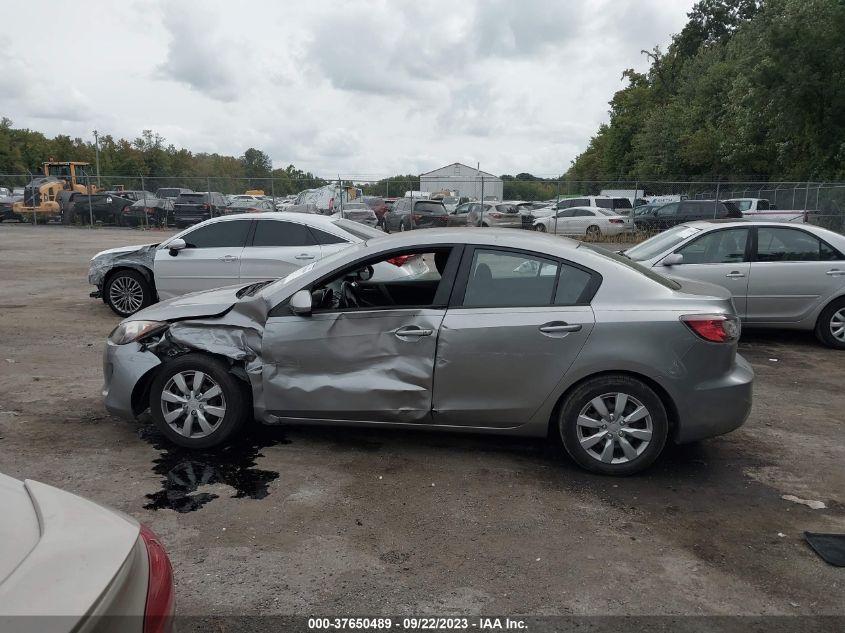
(364, 522)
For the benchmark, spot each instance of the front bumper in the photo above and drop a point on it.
(123, 368)
(715, 407)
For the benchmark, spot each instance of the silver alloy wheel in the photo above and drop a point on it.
(126, 294)
(200, 405)
(401, 227)
(837, 325)
(614, 428)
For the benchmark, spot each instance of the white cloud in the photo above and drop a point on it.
(361, 87)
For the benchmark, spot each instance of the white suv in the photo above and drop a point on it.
(620, 205)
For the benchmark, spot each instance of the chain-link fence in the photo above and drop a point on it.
(821, 203)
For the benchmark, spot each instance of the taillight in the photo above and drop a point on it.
(149, 209)
(161, 602)
(418, 217)
(716, 328)
(400, 260)
(204, 206)
(616, 221)
(494, 214)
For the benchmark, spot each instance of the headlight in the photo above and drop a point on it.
(135, 330)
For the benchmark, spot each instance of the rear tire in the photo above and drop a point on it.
(832, 319)
(541, 228)
(402, 227)
(593, 232)
(127, 291)
(200, 415)
(604, 441)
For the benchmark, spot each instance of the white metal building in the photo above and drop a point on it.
(466, 180)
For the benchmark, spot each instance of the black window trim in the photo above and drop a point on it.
(254, 229)
(462, 279)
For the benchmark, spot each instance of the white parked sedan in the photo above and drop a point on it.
(66, 560)
(223, 251)
(780, 276)
(591, 222)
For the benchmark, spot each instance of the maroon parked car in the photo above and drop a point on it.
(378, 205)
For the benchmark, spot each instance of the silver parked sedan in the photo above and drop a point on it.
(512, 332)
(780, 276)
(67, 562)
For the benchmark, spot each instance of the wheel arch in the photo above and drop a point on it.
(141, 391)
(669, 404)
(146, 272)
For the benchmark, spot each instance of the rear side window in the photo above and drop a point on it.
(326, 238)
(219, 235)
(501, 279)
(277, 233)
(572, 284)
(604, 204)
(791, 245)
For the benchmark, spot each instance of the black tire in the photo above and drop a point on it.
(130, 287)
(234, 399)
(825, 326)
(402, 227)
(485, 225)
(593, 232)
(540, 227)
(580, 400)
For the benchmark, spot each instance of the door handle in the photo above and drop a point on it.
(305, 256)
(835, 272)
(228, 258)
(734, 274)
(560, 327)
(413, 330)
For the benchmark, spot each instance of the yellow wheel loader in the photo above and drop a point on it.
(46, 196)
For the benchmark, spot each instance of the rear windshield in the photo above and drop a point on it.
(191, 197)
(361, 231)
(661, 242)
(165, 193)
(429, 207)
(648, 272)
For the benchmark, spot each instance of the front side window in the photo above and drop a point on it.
(372, 284)
(716, 247)
(219, 235)
(791, 245)
(504, 279)
(277, 233)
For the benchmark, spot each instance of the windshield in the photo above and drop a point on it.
(361, 231)
(648, 272)
(661, 242)
(742, 205)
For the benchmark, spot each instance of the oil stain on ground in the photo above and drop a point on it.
(185, 471)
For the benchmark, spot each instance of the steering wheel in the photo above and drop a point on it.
(348, 296)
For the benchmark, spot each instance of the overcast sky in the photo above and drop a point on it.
(357, 88)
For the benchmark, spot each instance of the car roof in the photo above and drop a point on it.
(820, 231)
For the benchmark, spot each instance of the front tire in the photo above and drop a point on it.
(127, 291)
(613, 425)
(593, 232)
(402, 227)
(196, 403)
(541, 228)
(830, 328)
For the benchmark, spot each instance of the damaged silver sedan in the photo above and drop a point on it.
(507, 332)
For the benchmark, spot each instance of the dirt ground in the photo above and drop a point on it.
(345, 522)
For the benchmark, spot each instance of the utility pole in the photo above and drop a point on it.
(97, 154)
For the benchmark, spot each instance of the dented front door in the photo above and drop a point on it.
(357, 365)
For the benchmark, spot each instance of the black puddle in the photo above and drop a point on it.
(184, 471)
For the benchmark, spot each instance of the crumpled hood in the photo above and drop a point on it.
(206, 303)
(123, 249)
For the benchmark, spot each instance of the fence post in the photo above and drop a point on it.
(481, 213)
(806, 195)
(90, 207)
(273, 191)
(557, 202)
(144, 208)
(716, 202)
(818, 191)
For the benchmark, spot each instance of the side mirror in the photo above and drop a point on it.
(176, 245)
(673, 259)
(300, 303)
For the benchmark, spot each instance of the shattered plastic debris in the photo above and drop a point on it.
(812, 504)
